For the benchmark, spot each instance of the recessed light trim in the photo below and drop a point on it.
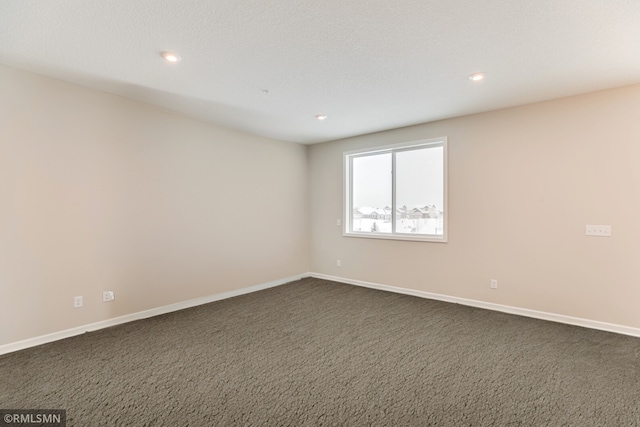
(170, 57)
(321, 117)
(476, 77)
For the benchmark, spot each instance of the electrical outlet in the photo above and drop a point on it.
(338, 263)
(338, 222)
(494, 284)
(77, 302)
(108, 296)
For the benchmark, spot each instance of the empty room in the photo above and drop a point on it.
(340, 213)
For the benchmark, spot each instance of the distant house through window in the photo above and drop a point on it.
(397, 192)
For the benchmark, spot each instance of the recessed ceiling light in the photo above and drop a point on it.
(321, 117)
(171, 57)
(476, 77)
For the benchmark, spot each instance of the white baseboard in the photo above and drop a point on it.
(587, 323)
(32, 342)
(593, 324)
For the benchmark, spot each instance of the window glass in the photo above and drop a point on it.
(372, 193)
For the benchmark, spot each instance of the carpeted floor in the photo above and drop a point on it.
(318, 353)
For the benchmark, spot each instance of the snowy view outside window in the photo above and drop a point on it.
(397, 191)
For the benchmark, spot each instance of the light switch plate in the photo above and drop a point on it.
(599, 230)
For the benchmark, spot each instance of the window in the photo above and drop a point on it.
(397, 192)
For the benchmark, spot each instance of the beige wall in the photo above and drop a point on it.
(523, 183)
(98, 192)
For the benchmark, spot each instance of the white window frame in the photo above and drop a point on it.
(347, 187)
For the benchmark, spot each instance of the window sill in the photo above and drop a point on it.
(407, 237)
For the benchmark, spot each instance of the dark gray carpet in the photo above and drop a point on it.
(318, 353)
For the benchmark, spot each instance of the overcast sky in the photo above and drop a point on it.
(419, 179)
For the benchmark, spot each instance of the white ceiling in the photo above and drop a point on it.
(369, 65)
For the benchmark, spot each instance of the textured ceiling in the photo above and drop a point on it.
(369, 65)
